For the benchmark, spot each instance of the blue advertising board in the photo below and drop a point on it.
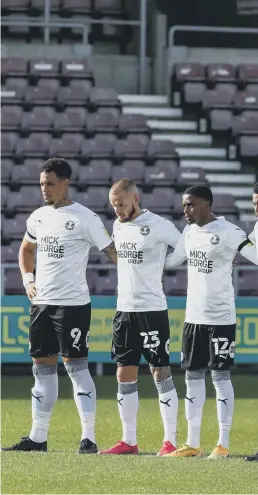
(15, 329)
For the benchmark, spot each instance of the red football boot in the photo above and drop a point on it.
(121, 448)
(166, 448)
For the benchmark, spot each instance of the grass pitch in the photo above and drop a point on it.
(61, 470)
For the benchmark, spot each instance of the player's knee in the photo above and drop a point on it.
(191, 375)
(127, 388)
(160, 374)
(75, 365)
(126, 374)
(220, 376)
(48, 360)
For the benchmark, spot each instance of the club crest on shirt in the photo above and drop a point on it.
(69, 225)
(215, 239)
(145, 230)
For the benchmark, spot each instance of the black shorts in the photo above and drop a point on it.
(208, 345)
(136, 334)
(59, 329)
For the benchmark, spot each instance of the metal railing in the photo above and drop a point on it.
(107, 266)
(207, 29)
(47, 24)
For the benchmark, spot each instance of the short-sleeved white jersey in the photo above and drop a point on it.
(141, 251)
(254, 236)
(210, 251)
(64, 237)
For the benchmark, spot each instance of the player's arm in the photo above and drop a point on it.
(100, 237)
(178, 256)
(26, 264)
(248, 250)
(111, 253)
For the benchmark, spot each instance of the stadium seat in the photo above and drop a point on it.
(49, 83)
(73, 119)
(14, 228)
(69, 145)
(11, 117)
(193, 93)
(187, 177)
(43, 67)
(175, 284)
(133, 169)
(248, 284)
(159, 200)
(12, 66)
(220, 73)
(12, 95)
(72, 95)
(248, 73)
(13, 282)
(27, 199)
(38, 119)
(16, 82)
(77, 68)
(161, 149)
(4, 195)
(224, 203)
(77, 6)
(36, 145)
(15, 5)
(189, 72)
(97, 172)
(98, 122)
(248, 147)
(132, 147)
(6, 170)
(28, 173)
(222, 96)
(9, 254)
(221, 120)
(95, 198)
(163, 172)
(246, 123)
(40, 95)
(133, 124)
(246, 100)
(106, 284)
(100, 97)
(97, 148)
(8, 142)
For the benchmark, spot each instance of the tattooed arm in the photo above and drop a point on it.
(110, 251)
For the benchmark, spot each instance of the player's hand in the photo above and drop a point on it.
(31, 290)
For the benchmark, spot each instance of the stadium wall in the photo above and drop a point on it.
(15, 328)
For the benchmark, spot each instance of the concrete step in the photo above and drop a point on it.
(231, 178)
(237, 192)
(186, 139)
(172, 125)
(214, 165)
(219, 153)
(144, 100)
(154, 113)
(245, 204)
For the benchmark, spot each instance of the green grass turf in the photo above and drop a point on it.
(61, 470)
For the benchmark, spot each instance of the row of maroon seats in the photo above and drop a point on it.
(73, 119)
(158, 199)
(74, 145)
(213, 73)
(34, 68)
(105, 282)
(103, 172)
(95, 7)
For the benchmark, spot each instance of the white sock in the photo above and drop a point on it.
(168, 405)
(194, 401)
(127, 398)
(84, 396)
(44, 396)
(225, 407)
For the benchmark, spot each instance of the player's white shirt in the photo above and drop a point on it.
(141, 251)
(254, 236)
(64, 237)
(210, 251)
